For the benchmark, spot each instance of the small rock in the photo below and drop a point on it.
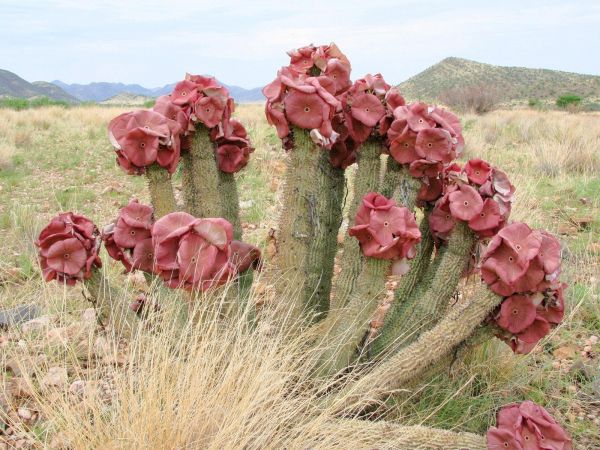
(89, 317)
(245, 204)
(37, 324)
(56, 377)
(24, 413)
(565, 352)
(593, 340)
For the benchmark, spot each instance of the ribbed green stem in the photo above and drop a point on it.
(161, 190)
(346, 328)
(230, 202)
(349, 324)
(424, 307)
(326, 219)
(402, 296)
(110, 304)
(365, 181)
(296, 223)
(390, 184)
(456, 326)
(187, 181)
(204, 176)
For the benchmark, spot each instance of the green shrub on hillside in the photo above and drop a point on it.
(568, 100)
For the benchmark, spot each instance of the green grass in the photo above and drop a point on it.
(19, 104)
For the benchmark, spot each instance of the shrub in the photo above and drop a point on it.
(568, 100)
(479, 99)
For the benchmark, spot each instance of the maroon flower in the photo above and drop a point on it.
(424, 168)
(209, 110)
(441, 220)
(431, 189)
(434, 144)
(527, 426)
(305, 110)
(465, 202)
(385, 230)
(367, 108)
(193, 253)
(129, 237)
(478, 171)
(245, 256)
(517, 313)
(68, 248)
(142, 137)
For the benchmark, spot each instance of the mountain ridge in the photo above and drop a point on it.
(12, 85)
(102, 91)
(511, 82)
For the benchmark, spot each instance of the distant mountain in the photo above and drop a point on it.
(12, 85)
(513, 83)
(99, 92)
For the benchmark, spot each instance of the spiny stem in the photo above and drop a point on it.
(204, 176)
(424, 307)
(230, 202)
(458, 324)
(366, 180)
(382, 434)
(161, 190)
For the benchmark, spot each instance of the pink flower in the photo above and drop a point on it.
(385, 230)
(517, 313)
(403, 147)
(193, 253)
(68, 248)
(130, 235)
(424, 168)
(185, 93)
(232, 158)
(527, 426)
(367, 108)
(143, 137)
(305, 110)
(465, 203)
(478, 171)
(441, 220)
(209, 110)
(488, 221)
(434, 144)
(245, 256)
(430, 190)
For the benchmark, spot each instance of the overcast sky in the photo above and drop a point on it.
(154, 42)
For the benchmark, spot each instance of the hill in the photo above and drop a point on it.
(512, 83)
(102, 91)
(127, 99)
(11, 85)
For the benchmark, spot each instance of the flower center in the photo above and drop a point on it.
(306, 109)
(447, 216)
(149, 256)
(67, 255)
(386, 224)
(482, 214)
(518, 247)
(420, 120)
(515, 312)
(511, 259)
(194, 259)
(366, 109)
(526, 438)
(477, 172)
(183, 93)
(406, 144)
(466, 203)
(142, 145)
(207, 110)
(430, 145)
(132, 232)
(506, 444)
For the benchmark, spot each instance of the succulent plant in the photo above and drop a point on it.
(405, 162)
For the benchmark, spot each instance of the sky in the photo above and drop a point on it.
(243, 43)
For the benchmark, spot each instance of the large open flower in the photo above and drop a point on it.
(520, 260)
(527, 426)
(68, 248)
(385, 230)
(141, 138)
(193, 253)
(129, 238)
